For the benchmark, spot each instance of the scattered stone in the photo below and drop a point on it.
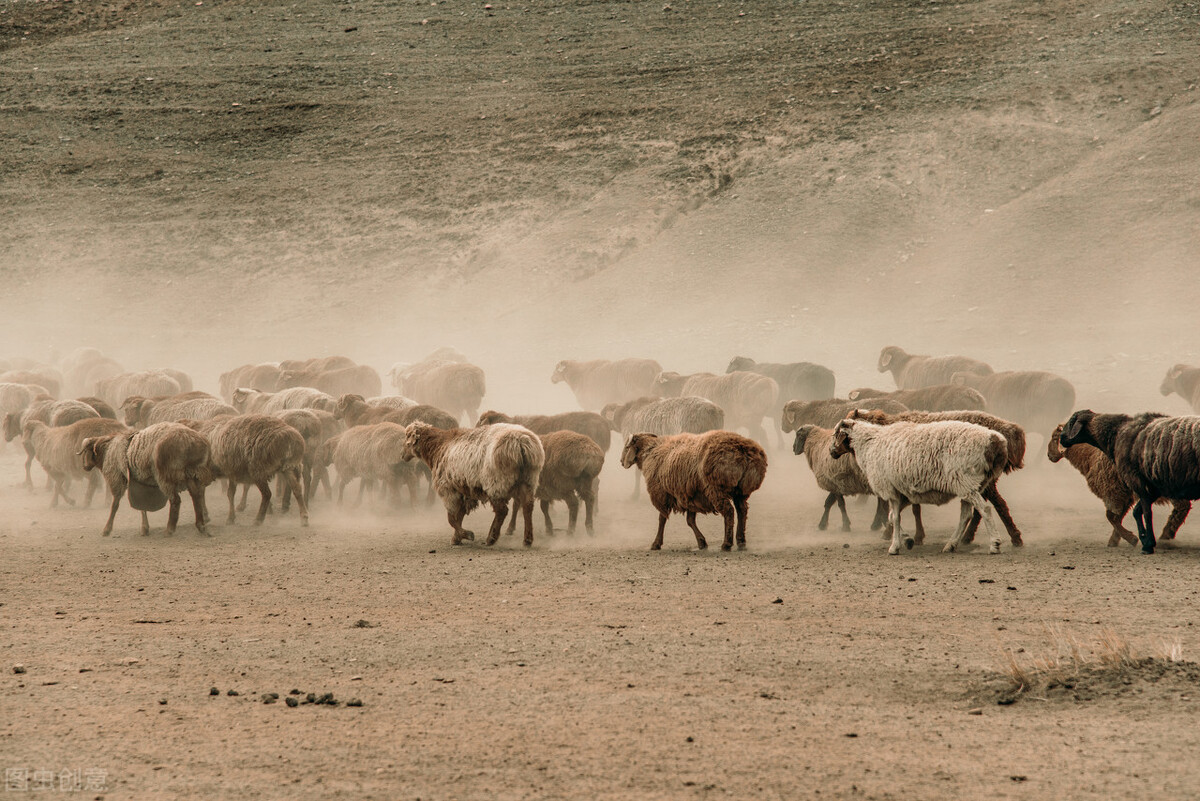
(976, 711)
(1018, 778)
(691, 739)
(327, 699)
(291, 701)
(354, 702)
(162, 701)
(18, 669)
(777, 601)
(213, 691)
(852, 734)
(295, 692)
(1068, 567)
(233, 692)
(85, 670)
(987, 581)
(365, 624)
(269, 698)
(845, 545)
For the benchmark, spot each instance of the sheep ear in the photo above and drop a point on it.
(1176, 371)
(853, 395)
(1076, 427)
(885, 359)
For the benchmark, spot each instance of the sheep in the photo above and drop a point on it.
(141, 412)
(473, 465)
(745, 397)
(589, 424)
(262, 377)
(252, 449)
(16, 397)
(253, 401)
(14, 425)
(1102, 479)
(374, 453)
(828, 413)
(319, 364)
(926, 463)
(799, 381)
(183, 379)
(1184, 380)
(838, 477)
(83, 377)
(456, 387)
(710, 473)
(392, 401)
(48, 379)
(665, 417)
(1155, 455)
(938, 398)
(153, 464)
(1037, 400)
(312, 427)
(57, 449)
(148, 384)
(1013, 435)
(361, 380)
(599, 382)
(570, 473)
(354, 410)
(912, 371)
(102, 407)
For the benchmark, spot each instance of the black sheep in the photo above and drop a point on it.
(1156, 456)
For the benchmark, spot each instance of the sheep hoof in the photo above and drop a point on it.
(949, 548)
(822, 526)
(995, 547)
(1017, 542)
(105, 533)
(528, 543)
(741, 546)
(846, 527)
(656, 547)
(893, 550)
(1147, 551)
(203, 531)
(725, 546)
(908, 543)
(304, 522)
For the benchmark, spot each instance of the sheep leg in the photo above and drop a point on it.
(362, 487)
(284, 488)
(342, 482)
(512, 526)
(841, 502)
(60, 489)
(455, 512)
(93, 481)
(198, 507)
(28, 464)
(1143, 514)
(1179, 513)
(308, 476)
(572, 512)
(920, 526)
(265, 488)
(894, 507)
(525, 496)
(881, 514)
(992, 495)
(589, 504)
(662, 524)
(965, 511)
(742, 505)
(500, 508)
(231, 491)
(145, 525)
(830, 500)
(241, 507)
(701, 543)
(1119, 532)
(545, 504)
(293, 483)
(759, 434)
(173, 512)
(112, 513)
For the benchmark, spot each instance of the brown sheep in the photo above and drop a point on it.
(912, 371)
(745, 397)
(57, 450)
(253, 401)
(457, 387)
(17, 397)
(148, 384)
(1184, 380)
(48, 379)
(472, 465)
(1014, 437)
(360, 380)
(262, 377)
(590, 424)
(310, 425)
(600, 381)
(938, 398)
(571, 473)
(102, 407)
(55, 414)
(154, 464)
(1037, 400)
(828, 413)
(84, 367)
(1100, 472)
(319, 364)
(373, 453)
(253, 449)
(141, 412)
(712, 473)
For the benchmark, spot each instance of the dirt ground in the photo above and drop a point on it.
(204, 184)
(812, 664)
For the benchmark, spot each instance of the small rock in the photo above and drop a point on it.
(777, 601)
(18, 669)
(354, 702)
(291, 701)
(85, 670)
(845, 545)
(976, 711)
(691, 739)
(162, 701)
(1068, 567)
(987, 581)
(233, 692)
(269, 698)
(326, 698)
(213, 691)
(1018, 778)
(295, 692)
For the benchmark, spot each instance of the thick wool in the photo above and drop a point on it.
(840, 477)
(456, 387)
(253, 401)
(828, 413)
(938, 398)
(148, 384)
(374, 453)
(600, 381)
(57, 450)
(569, 474)
(589, 424)
(913, 371)
(1039, 401)
(359, 379)
(141, 412)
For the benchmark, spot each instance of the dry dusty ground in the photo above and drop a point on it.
(592, 668)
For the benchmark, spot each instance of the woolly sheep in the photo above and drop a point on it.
(148, 384)
(1184, 380)
(474, 465)
(456, 387)
(370, 453)
(838, 477)
(589, 424)
(797, 381)
(938, 398)
(1155, 455)
(665, 417)
(601, 381)
(1037, 400)
(253, 401)
(141, 412)
(47, 379)
(57, 451)
(570, 474)
(361, 380)
(745, 397)
(828, 413)
(262, 377)
(912, 371)
(1101, 475)
(926, 463)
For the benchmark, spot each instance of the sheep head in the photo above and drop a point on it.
(291, 378)
(669, 384)
(636, 449)
(1168, 384)
(12, 426)
(92, 451)
(1078, 429)
(489, 417)
(241, 396)
(415, 434)
(740, 363)
(347, 402)
(560, 372)
(1054, 449)
(887, 355)
(842, 442)
(802, 438)
(132, 408)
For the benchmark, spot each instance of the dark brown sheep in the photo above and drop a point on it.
(938, 398)
(711, 473)
(601, 381)
(102, 407)
(1101, 475)
(589, 424)
(913, 371)
(570, 474)
(1155, 455)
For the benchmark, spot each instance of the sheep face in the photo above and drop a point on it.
(1054, 449)
(740, 363)
(132, 409)
(92, 451)
(636, 449)
(841, 439)
(1078, 429)
(669, 384)
(801, 438)
(1168, 384)
(962, 379)
(560, 372)
(12, 426)
(886, 355)
(414, 434)
(489, 417)
(344, 403)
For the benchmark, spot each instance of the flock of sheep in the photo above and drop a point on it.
(951, 429)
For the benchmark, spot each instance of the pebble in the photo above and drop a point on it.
(213, 691)
(291, 701)
(233, 692)
(269, 698)
(976, 711)
(162, 701)
(354, 702)
(18, 669)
